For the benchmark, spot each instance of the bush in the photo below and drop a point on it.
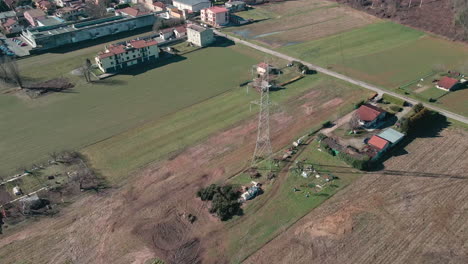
(393, 100)
(327, 124)
(224, 200)
(321, 136)
(395, 108)
(356, 106)
(419, 119)
(206, 194)
(360, 164)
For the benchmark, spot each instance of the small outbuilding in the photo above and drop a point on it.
(391, 135)
(379, 143)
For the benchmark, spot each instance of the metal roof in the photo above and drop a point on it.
(391, 135)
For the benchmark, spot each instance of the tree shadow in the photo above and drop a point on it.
(109, 82)
(142, 68)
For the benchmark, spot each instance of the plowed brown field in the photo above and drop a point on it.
(413, 211)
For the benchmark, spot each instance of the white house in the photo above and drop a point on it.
(215, 15)
(199, 36)
(191, 5)
(118, 57)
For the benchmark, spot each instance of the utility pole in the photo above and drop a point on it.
(263, 150)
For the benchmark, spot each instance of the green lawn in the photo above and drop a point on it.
(33, 128)
(250, 232)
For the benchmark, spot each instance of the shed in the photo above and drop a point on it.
(447, 83)
(391, 135)
(378, 143)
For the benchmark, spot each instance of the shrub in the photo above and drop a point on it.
(356, 106)
(224, 200)
(321, 136)
(393, 100)
(395, 108)
(327, 124)
(360, 164)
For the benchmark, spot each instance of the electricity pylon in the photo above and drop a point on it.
(263, 149)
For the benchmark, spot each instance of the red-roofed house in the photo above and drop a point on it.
(134, 12)
(12, 26)
(447, 83)
(158, 6)
(215, 15)
(166, 33)
(118, 57)
(33, 15)
(378, 143)
(369, 115)
(180, 31)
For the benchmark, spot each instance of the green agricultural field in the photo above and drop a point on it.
(250, 232)
(92, 112)
(387, 54)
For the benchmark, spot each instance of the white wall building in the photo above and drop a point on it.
(118, 57)
(191, 5)
(199, 36)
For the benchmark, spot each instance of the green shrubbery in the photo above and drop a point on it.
(224, 200)
(393, 100)
(419, 119)
(360, 164)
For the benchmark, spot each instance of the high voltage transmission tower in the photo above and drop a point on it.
(261, 83)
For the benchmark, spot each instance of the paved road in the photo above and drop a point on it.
(345, 78)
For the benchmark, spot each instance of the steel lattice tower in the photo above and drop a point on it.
(263, 146)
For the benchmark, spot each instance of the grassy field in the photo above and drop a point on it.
(249, 233)
(292, 22)
(92, 112)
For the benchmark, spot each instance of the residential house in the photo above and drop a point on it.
(447, 83)
(70, 13)
(166, 33)
(158, 6)
(4, 16)
(121, 56)
(177, 13)
(33, 15)
(180, 31)
(216, 15)
(46, 6)
(191, 5)
(64, 3)
(235, 6)
(134, 11)
(12, 26)
(370, 116)
(199, 36)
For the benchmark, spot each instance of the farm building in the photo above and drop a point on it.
(391, 135)
(263, 67)
(216, 16)
(370, 116)
(200, 36)
(379, 143)
(447, 83)
(191, 5)
(120, 56)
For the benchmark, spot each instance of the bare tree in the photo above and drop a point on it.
(97, 8)
(86, 69)
(354, 122)
(9, 71)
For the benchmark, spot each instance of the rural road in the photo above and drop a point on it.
(446, 113)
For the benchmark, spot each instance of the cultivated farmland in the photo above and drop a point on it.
(413, 211)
